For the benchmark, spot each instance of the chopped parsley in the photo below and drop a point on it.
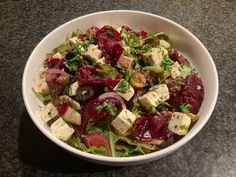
(183, 127)
(123, 87)
(185, 107)
(107, 107)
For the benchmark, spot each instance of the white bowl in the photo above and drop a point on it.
(182, 39)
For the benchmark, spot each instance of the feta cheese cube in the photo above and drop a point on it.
(124, 121)
(93, 52)
(58, 55)
(127, 92)
(42, 87)
(179, 123)
(74, 40)
(73, 88)
(162, 91)
(154, 57)
(175, 70)
(125, 62)
(149, 100)
(47, 112)
(165, 44)
(61, 129)
(74, 104)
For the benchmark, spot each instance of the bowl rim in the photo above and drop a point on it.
(145, 157)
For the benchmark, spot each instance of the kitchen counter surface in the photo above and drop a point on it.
(25, 151)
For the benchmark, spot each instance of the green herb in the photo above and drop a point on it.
(136, 65)
(175, 88)
(123, 87)
(184, 127)
(185, 107)
(72, 64)
(130, 121)
(166, 62)
(110, 32)
(108, 107)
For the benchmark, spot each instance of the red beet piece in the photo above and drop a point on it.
(175, 56)
(93, 30)
(190, 91)
(87, 75)
(108, 40)
(97, 140)
(54, 63)
(151, 126)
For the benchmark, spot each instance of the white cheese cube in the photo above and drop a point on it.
(73, 88)
(125, 62)
(47, 112)
(42, 71)
(149, 100)
(154, 57)
(124, 121)
(127, 94)
(179, 123)
(58, 55)
(93, 52)
(61, 129)
(74, 40)
(175, 70)
(42, 87)
(119, 29)
(165, 44)
(74, 104)
(162, 91)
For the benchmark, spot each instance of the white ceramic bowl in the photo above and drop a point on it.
(182, 39)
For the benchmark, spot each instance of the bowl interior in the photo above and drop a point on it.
(182, 39)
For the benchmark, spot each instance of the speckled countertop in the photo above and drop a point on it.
(24, 151)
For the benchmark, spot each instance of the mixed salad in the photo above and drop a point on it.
(118, 92)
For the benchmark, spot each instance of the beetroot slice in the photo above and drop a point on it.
(87, 75)
(97, 140)
(89, 111)
(175, 56)
(151, 126)
(54, 63)
(62, 108)
(189, 90)
(109, 41)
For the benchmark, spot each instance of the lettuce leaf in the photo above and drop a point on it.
(77, 143)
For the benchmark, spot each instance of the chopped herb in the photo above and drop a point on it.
(130, 121)
(175, 88)
(123, 87)
(185, 107)
(166, 62)
(108, 107)
(110, 32)
(183, 127)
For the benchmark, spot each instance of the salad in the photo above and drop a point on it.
(118, 92)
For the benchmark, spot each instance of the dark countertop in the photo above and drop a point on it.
(25, 151)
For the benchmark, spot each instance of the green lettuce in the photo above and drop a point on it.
(78, 144)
